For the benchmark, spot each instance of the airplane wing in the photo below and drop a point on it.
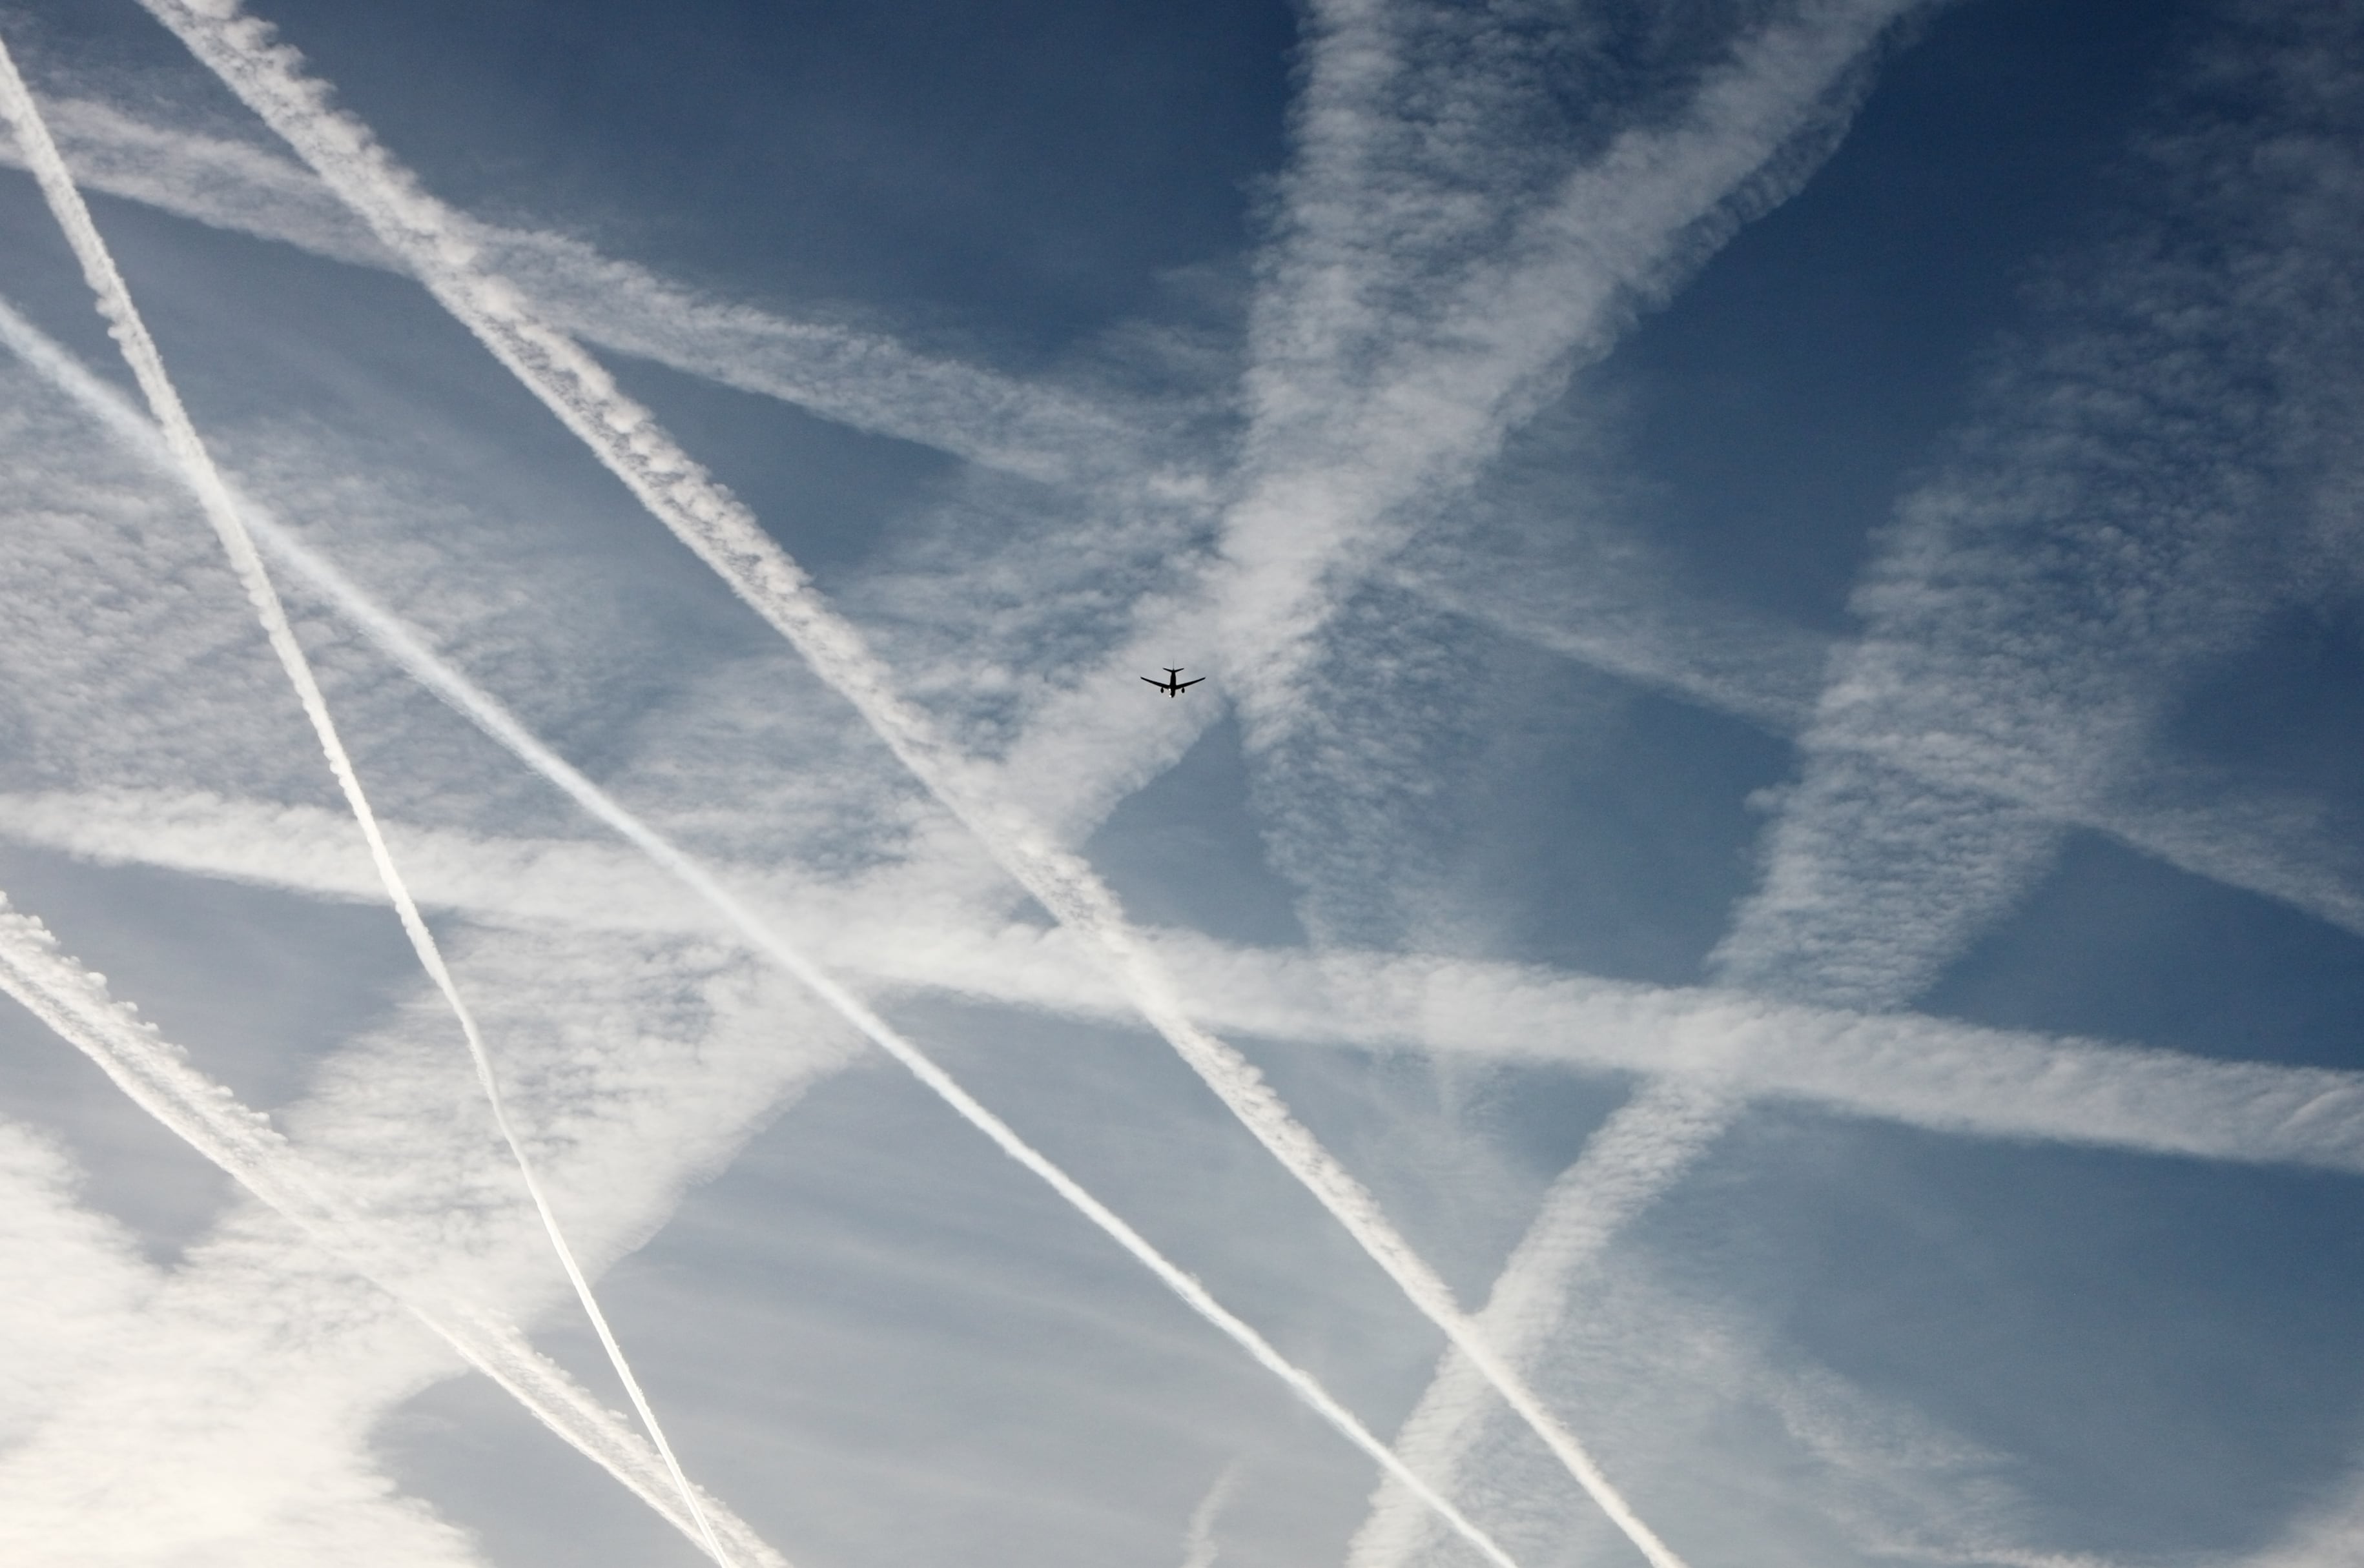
(1188, 683)
(1160, 685)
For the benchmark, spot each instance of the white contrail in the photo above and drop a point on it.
(1954, 1079)
(861, 380)
(496, 721)
(156, 1075)
(1359, 404)
(723, 533)
(1441, 273)
(139, 351)
(1353, 431)
(1940, 765)
(1199, 1547)
(1633, 1157)
(2291, 852)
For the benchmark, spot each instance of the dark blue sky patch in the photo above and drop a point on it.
(832, 497)
(1626, 861)
(2286, 714)
(1184, 852)
(1785, 397)
(2118, 945)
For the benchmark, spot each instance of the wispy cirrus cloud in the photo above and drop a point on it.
(1454, 243)
(1625, 1165)
(97, 1283)
(2203, 816)
(1439, 269)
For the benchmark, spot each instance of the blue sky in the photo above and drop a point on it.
(1749, 954)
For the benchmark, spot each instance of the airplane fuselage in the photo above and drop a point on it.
(1174, 686)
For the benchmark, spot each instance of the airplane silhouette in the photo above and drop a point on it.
(1171, 685)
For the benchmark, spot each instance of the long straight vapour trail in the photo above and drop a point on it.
(861, 380)
(1637, 1154)
(415, 657)
(714, 525)
(139, 351)
(156, 1075)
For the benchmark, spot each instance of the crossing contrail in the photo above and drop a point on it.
(721, 530)
(423, 664)
(156, 1075)
(859, 379)
(139, 351)
(1640, 1150)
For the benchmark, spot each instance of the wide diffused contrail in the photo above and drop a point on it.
(139, 351)
(407, 648)
(724, 534)
(156, 1075)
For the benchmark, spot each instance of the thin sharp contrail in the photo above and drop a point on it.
(721, 530)
(156, 1075)
(413, 655)
(1640, 1150)
(139, 351)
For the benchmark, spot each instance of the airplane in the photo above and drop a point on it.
(1172, 686)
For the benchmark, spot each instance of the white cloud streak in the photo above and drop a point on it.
(762, 936)
(221, 509)
(1616, 652)
(721, 532)
(1912, 1069)
(1751, 667)
(860, 379)
(2204, 822)
(1643, 1147)
(1199, 1547)
(1435, 278)
(156, 1075)
(1380, 193)
(253, 1414)
(1359, 403)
